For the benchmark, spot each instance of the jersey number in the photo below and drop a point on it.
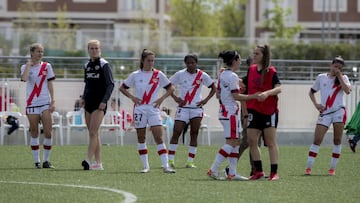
(138, 116)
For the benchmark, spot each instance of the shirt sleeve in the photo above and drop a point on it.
(275, 79)
(207, 80)
(50, 72)
(316, 85)
(234, 84)
(109, 82)
(129, 82)
(174, 78)
(163, 80)
(22, 69)
(346, 80)
(83, 96)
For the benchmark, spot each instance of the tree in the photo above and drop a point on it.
(275, 21)
(6, 46)
(232, 18)
(64, 37)
(192, 18)
(29, 23)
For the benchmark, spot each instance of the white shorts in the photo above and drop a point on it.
(231, 126)
(186, 114)
(37, 109)
(338, 116)
(146, 115)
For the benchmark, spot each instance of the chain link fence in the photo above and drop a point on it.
(72, 67)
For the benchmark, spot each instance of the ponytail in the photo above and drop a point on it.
(265, 49)
(144, 54)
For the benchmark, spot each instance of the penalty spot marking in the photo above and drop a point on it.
(129, 197)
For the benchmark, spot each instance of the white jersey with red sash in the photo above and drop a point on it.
(147, 84)
(332, 96)
(37, 91)
(190, 85)
(228, 83)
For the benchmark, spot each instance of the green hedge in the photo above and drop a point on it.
(282, 50)
(314, 51)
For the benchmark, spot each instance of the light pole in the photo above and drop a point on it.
(355, 70)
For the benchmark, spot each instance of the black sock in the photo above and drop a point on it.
(258, 166)
(274, 168)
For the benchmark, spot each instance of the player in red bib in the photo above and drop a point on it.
(40, 102)
(263, 112)
(147, 83)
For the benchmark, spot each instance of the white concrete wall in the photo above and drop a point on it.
(297, 113)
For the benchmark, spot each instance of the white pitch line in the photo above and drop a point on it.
(129, 197)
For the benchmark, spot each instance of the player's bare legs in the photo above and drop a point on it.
(93, 122)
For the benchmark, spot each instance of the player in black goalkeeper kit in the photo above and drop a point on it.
(99, 85)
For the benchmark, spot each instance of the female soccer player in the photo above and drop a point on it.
(99, 85)
(332, 86)
(229, 94)
(263, 112)
(40, 103)
(190, 81)
(147, 82)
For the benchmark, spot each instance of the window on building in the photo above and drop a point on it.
(269, 5)
(39, 0)
(89, 1)
(326, 5)
(138, 5)
(2, 5)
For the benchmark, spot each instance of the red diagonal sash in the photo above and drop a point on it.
(190, 96)
(154, 81)
(37, 89)
(330, 100)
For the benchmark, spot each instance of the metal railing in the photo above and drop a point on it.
(72, 67)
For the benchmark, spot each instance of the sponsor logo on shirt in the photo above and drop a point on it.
(93, 75)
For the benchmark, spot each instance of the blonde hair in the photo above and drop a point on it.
(35, 46)
(93, 41)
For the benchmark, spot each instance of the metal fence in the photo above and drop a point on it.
(71, 67)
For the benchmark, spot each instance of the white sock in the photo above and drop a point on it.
(172, 151)
(191, 153)
(313, 151)
(221, 156)
(233, 160)
(35, 149)
(161, 148)
(335, 156)
(47, 148)
(143, 152)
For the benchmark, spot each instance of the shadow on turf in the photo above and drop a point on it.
(31, 168)
(312, 175)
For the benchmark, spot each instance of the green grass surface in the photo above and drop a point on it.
(20, 182)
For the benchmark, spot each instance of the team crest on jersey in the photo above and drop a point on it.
(155, 80)
(44, 72)
(198, 82)
(97, 67)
